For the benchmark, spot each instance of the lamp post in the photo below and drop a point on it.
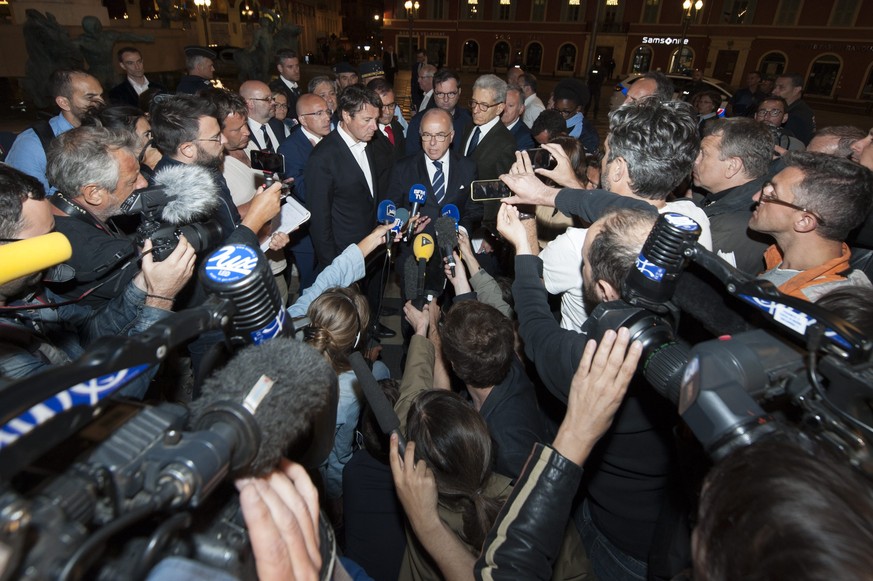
(411, 9)
(203, 9)
(687, 6)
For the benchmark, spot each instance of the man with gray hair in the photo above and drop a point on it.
(488, 142)
(652, 84)
(95, 170)
(836, 140)
(425, 83)
(511, 117)
(200, 64)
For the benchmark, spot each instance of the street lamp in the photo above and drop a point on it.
(687, 6)
(203, 9)
(411, 9)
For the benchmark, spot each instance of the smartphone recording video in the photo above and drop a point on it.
(541, 158)
(268, 162)
(485, 190)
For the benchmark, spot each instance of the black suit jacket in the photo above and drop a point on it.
(277, 85)
(523, 138)
(397, 150)
(461, 120)
(279, 130)
(343, 211)
(124, 93)
(495, 153)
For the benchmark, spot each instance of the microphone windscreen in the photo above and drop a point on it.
(192, 191)
(422, 246)
(386, 212)
(410, 277)
(296, 416)
(26, 257)
(446, 234)
(452, 212)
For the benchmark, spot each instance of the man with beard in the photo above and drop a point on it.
(75, 92)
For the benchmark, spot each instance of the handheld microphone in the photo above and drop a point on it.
(33, 255)
(452, 212)
(447, 237)
(422, 248)
(241, 274)
(386, 212)
(417, 197)
(384, 412)
(401, 217)
(181, 193)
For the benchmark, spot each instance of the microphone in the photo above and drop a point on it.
(386, 212)
(181, 193)
(401, 217)
(422, 248)
(447, 236)
(33, 255)
(417, 197)
(452, 212)
(382, 409)
(241, 274)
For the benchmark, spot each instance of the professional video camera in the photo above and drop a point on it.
(93, 487)
(734, 391)
(181, 198)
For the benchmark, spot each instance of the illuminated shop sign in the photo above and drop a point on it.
(664, 40)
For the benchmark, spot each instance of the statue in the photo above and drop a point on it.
(254, 62)
(96, 46)
(49, 47)
(286, 38)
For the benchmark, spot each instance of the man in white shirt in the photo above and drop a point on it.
(533, 105)
(288, 66)
(136, 83)
(425, 82)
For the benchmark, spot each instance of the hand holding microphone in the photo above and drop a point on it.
(447, 236)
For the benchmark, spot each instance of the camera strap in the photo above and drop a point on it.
(76, 211)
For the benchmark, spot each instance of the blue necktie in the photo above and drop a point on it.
(474, 141)
(439, 182)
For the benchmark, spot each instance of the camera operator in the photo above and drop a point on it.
(772, 112)
(34, 338)
(95, 170)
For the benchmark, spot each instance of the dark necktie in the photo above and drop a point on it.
(439, 182)
(390, 133)
(473, 142)
(268, 143)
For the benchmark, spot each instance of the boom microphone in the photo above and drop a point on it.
(241, 274)
(447, 237)
(417, 197)
(182, 193)
(33, 255)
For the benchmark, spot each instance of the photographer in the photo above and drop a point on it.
(772, 112)
(46, 333)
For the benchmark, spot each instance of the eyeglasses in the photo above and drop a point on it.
(482, 107)
(446, 95)
(268, 99)
(216, 139)
(440, 137)
(769, 197)
(280, 105)
(389, 106)
(566, 112)
(769, 113)
(319, 113)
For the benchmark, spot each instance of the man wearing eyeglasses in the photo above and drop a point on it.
(390, 136)
(447, 94)
(773, 112)
(809, 208)
(734, 160)
(268, 133)
(489, 143)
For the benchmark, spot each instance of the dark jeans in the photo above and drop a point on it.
(608, 561)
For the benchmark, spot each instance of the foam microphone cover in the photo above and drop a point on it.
(446, 235)
(32, 255)
(192, 191)
(410, 278)
(296, 418)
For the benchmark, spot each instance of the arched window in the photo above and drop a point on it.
(501, 54)
(533, 57)
(566, 58)
(685, 63)
(772, 64)
(823, 75)
(642, 60)
(471, 53)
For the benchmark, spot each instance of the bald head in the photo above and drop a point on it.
(313, 113)
(259, 100)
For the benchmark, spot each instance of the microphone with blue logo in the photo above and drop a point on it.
(242, 275)
(417, 197)
(386, 213)
(401, 217)
(451, 211)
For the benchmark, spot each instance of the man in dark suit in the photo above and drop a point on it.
(511, 117)
(445, 174)
(446, 93)
(268, 133)
(415, 90)
(314, 115)
(288, 65)
(425, 83)
(390, 133)
(128, 91)
(389, 64)
(346, 179)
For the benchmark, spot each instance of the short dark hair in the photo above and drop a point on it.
(784, 508)
(226, 103)
(529, 79)
(125, 49)
(176, 120)
(838, 190)
(15, 187)
(285, 53)
(551, 121)
(659, 141)
(854, 303)
(614, 250)
(115, 117)
(745, 138)
(665, 87)
(443, 75)
(353, 98)
(380, 86)
(774, 98)
(478, 342)
(795, 78)
(61, 82)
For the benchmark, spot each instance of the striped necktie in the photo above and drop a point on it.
(439, 182)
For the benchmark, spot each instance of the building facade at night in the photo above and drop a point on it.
(829, 42)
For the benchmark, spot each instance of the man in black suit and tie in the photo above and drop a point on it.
(314, 115)
(346, 178)
(511, 117)
(136, 83)
(288, 65)
(446, 93)
(390, 132)
(445, 174)
(268, 133)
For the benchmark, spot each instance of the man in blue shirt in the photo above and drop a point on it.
(75, 93)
